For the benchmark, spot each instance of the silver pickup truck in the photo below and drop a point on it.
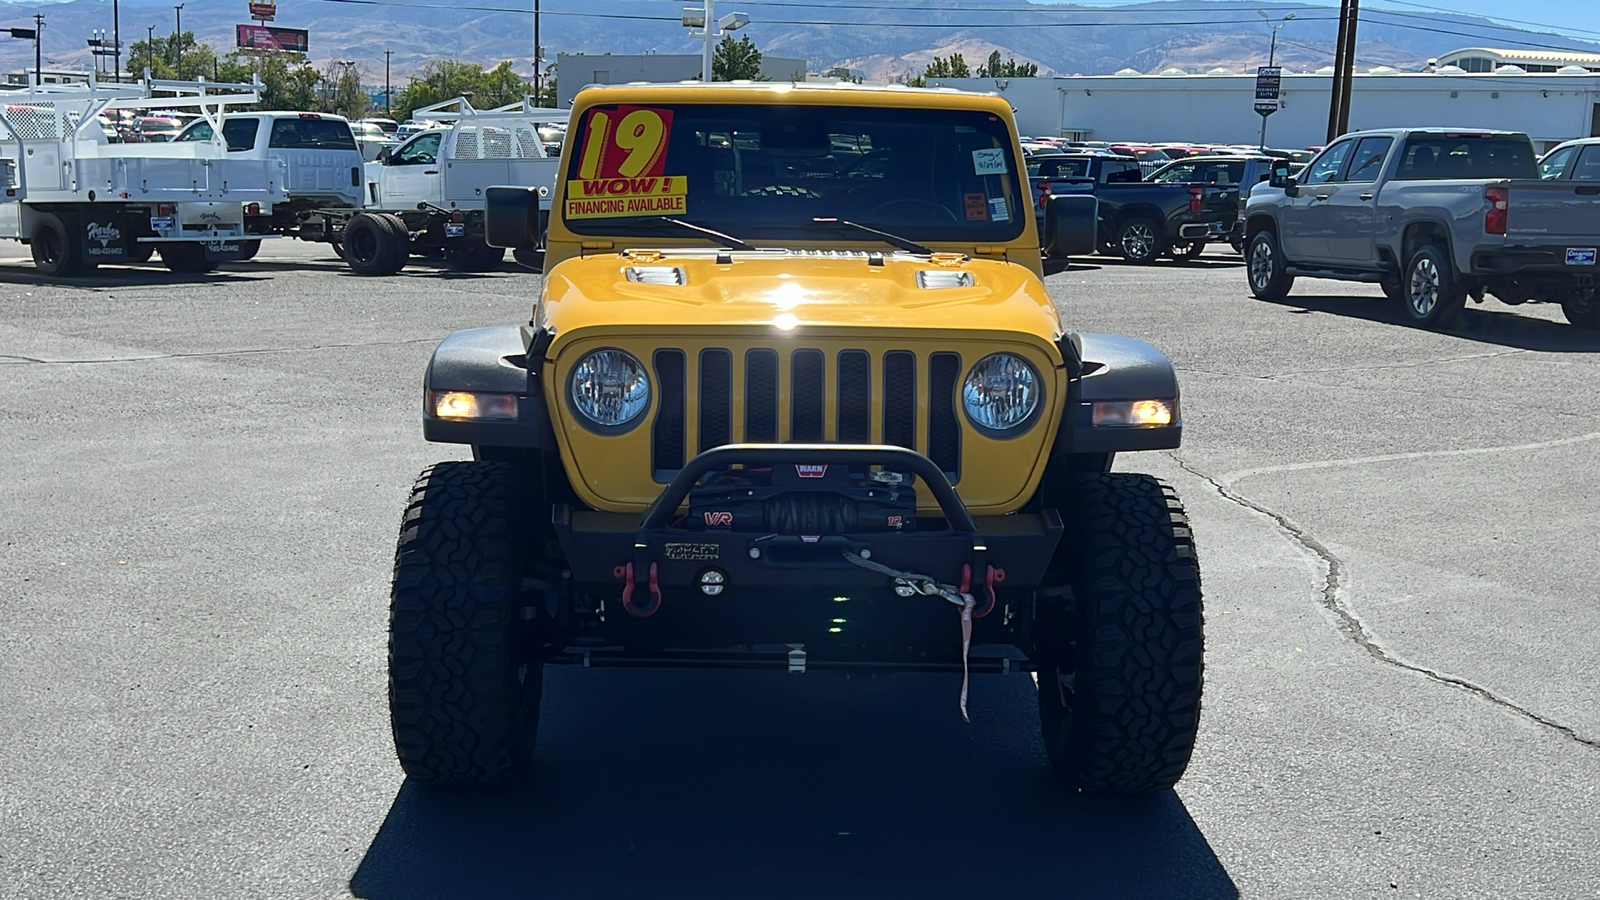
(1433, 216)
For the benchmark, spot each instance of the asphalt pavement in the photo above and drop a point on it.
(203, 481)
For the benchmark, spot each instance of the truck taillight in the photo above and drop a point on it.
(1044, 193)
(1499, 197)
(252, 209)
(1194, 198)
(164, 209)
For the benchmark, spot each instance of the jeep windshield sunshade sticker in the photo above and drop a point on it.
(620, 172)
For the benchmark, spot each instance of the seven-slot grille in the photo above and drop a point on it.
(749, 397)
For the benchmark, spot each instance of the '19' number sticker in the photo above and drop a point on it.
(620, 172)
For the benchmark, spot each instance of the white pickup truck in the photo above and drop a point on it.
(79, 200)
(426, 195)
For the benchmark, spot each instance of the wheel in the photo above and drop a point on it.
(186, 257)
(463, 696)
(1187, 251)
(371, 246)
(1237, 243)
(1108, 248)
(1392, 288)
(141, 252)
(1140, 240)
(1430, 292)
(939, 209)
(1121, 662)
(402, 239)
(1583, 309)
(1265, 268)
(54, 252)
(249, 249)
(469, 256)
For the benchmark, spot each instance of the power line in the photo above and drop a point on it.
(1491, 19)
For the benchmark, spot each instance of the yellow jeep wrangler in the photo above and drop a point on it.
(793, 395)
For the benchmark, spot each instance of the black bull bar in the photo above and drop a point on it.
(643, 562)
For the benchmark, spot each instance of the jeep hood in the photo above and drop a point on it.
(793, 291)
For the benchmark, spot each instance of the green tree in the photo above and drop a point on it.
(736, 60)
(342, 93)
(547, 88)
(160, 56)
(994, 68)
(953, 66)
(446, 79)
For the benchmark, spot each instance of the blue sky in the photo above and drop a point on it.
(1554, 15)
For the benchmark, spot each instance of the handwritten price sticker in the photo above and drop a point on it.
(621, 170)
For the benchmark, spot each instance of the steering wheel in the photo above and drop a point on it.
(944, 211)
(782, 190)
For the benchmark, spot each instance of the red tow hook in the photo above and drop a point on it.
(992, 577)
(626, 573)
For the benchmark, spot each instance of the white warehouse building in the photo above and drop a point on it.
(1217, 107)
(574, 70)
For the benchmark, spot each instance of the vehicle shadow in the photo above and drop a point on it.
(1504, 327)
(119, 276)
(1057, 265)
(1198, 265)
(708, 784)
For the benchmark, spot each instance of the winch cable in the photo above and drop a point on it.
(928, 587)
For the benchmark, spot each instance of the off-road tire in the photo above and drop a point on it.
(1264, 268)
(463, 694)
(371, 246)
(1122, 644)
(187, 258)
(54, 252)
(473, 256)
(1141, 240)
(1431, 294)
(1583, 311)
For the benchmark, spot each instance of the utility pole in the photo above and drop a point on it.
(38, 55)
(177, 41)
(1338, 67)
(1348, 73)
(388, 108)
(1272, 56)
(116, 39)
(538, 52)
(711, 18)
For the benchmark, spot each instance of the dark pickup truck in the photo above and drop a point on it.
(1234, 176)
(1141, 221)
(1434, 216)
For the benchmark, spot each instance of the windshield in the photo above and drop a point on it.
(306, 133)
(763, 171)
(1060, 167)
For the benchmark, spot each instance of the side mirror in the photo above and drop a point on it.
(1280, 176)
(511, 218)
(383, 156)
(1071, 225)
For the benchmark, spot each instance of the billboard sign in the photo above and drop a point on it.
(264, 10)
(269, 37)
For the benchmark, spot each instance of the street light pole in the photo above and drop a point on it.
(177, 40)
(38, 55)
(705, 65)
(538, 52)
(388, 109)
(116, 40)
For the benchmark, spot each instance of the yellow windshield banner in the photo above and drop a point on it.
(599, 198)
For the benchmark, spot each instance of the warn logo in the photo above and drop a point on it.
(811, 471)
(715, 519)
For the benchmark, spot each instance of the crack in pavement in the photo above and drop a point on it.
(1333, 595)
(19, 360)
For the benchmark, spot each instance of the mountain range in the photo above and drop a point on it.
(876, 38)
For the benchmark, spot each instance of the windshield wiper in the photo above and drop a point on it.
(726, 240)
(887, 237)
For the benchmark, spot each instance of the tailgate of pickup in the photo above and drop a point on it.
(1559, 216)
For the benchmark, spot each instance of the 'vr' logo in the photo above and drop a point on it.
(719, 518)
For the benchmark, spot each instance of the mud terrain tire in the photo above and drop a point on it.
(1121, 668)
(463, 697)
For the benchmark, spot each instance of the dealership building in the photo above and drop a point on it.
(1553, 96)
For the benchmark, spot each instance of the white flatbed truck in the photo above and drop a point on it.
(426, 196)
(80, 200)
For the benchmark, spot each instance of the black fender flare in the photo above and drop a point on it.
(1116, 368)
(492, 360)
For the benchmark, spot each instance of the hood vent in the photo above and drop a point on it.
(657, 275)
(944, 278)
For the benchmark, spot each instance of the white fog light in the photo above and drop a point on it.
(470, 405)
(610, 388)
(1136, 413)
(1001, 393)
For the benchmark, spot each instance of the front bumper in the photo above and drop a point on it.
(801, 588)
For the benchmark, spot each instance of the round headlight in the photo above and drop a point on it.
(1001, 393)
(610, 388)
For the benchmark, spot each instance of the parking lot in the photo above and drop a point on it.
(204, 476)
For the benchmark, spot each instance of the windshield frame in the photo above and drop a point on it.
(697, 121)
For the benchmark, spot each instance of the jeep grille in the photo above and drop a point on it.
(914, 394)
